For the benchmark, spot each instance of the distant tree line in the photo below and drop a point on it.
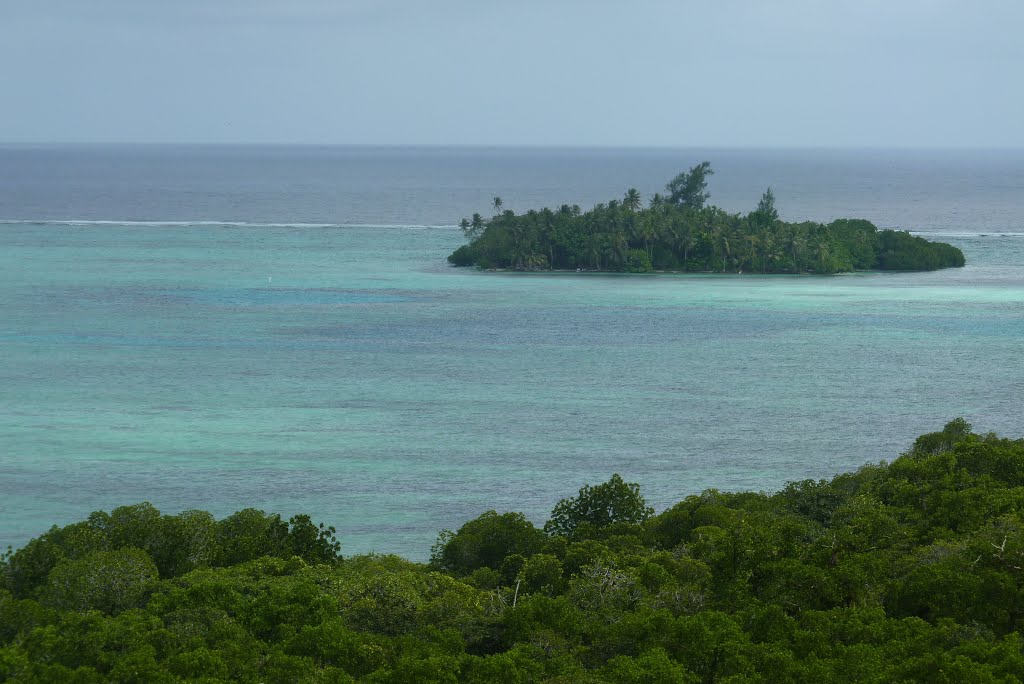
(909, 571)
(680, 232)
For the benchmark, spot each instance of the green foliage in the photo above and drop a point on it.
(766, 214)
(637, 261)
(956, 431)
(680, 233)
(486, 542)
(108, 581)
(689, 189)
(542, 574)
(652, 667)
(599, 506)
(464, 256)
(901, 251)
(176, 544)
(907, 571)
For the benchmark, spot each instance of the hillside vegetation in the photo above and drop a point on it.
(907, 571)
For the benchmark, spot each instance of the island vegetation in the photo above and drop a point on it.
(908, 571)
(679, 231)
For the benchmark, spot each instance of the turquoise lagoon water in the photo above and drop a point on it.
(347, 372)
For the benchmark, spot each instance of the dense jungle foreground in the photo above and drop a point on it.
(901, 571)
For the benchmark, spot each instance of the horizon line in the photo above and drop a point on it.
(502, 146)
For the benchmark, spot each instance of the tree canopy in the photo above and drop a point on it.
(898, 572)
(688, 189)
(679, 232)
(606, 504)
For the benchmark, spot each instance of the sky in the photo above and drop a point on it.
(668, 73)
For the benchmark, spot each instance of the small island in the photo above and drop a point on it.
(679, 232)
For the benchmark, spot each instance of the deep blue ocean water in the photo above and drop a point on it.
(222, 327)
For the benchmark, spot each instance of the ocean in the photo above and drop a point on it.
(222, 327)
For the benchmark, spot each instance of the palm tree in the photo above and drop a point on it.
(615, 249)
(769, 251)
(650, 233)
(594, 250)
(477, 223)
(632, 200)
(518, 256)
(750, 251)
(794, 244)
(497, 205)
(612, 217)
(548, 233)
(634, 227)
(518, 252)
(685, 239)
(721, 237)
(823, 253)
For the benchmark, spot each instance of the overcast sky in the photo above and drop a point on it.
(878, 73)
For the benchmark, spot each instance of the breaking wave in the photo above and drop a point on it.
(221, 224)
